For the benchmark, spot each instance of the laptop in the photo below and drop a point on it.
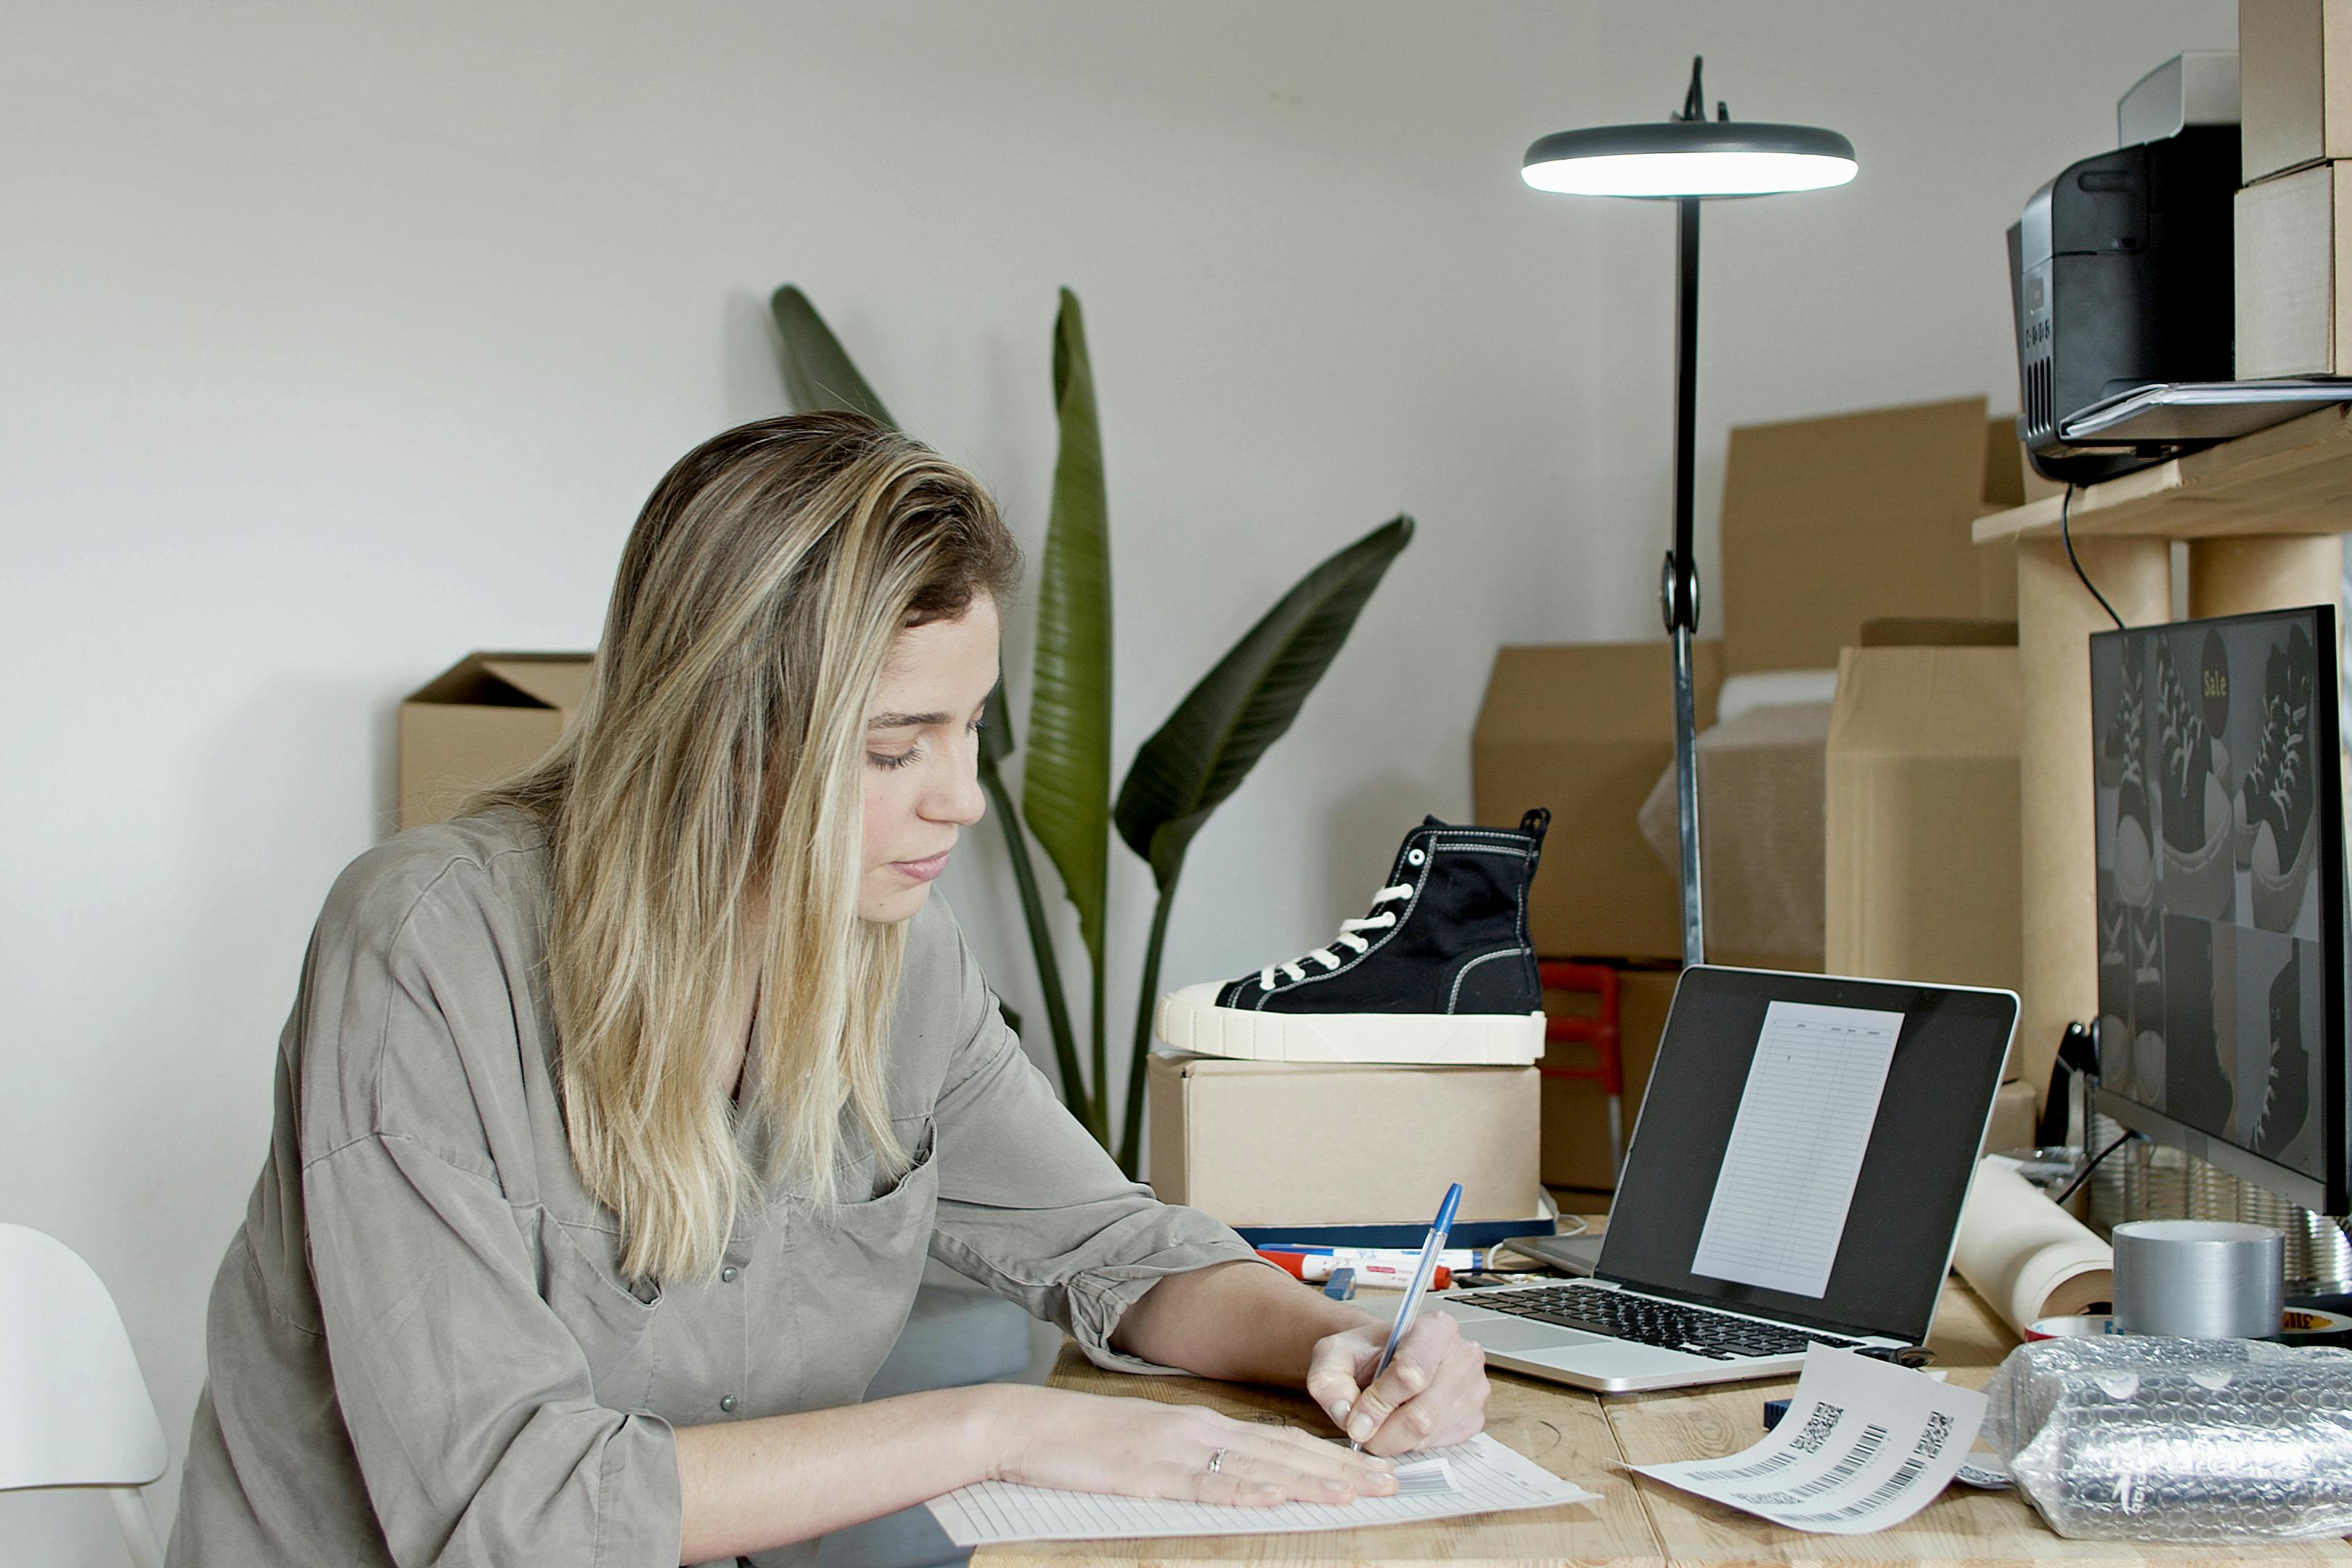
(1796, 1177)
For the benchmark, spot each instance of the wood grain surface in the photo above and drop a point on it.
(1588, 1440)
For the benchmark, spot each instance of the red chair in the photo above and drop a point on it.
(1600, 1031)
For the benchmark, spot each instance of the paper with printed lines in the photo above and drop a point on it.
(1866, 1444)
(1481, 1476)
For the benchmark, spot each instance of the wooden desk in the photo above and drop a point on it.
(1585, 1437)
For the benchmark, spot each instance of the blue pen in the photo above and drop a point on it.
(1421, 1274)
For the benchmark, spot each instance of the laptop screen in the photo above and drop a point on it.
(1805, 1144)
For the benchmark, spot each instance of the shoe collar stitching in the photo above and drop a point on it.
(1454, 994)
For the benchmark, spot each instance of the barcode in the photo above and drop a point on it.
(1819, 1422)
(1865, 1448)
(1779, 1461)
(1939, 1429)
(1824, 1421)
(1891, 1487)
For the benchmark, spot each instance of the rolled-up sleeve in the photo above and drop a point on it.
(471, 1406)
(468, 1402)
(1033, 1207)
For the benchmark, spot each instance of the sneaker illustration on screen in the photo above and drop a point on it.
(2281, 850)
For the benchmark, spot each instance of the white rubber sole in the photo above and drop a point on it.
(1190, 1020)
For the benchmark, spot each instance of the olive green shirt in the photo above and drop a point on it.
(420, 1350)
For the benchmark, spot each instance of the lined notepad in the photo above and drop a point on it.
(1481, 1476)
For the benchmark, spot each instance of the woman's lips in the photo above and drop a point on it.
(922, 870)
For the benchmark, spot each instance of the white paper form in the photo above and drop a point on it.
(1796, 1147)
(1866, 1444)
(1481, 1476)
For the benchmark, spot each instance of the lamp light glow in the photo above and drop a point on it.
(1689, 158)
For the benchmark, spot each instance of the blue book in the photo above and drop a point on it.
(1406, 1235)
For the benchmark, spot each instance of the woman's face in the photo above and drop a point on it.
(922, 757)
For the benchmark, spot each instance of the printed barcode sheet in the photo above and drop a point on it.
(1481, 1476)
(1796, 1146)
(1865, 1445)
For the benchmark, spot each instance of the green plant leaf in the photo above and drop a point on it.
(817, 370)
(1199, 756)
(1065, 783)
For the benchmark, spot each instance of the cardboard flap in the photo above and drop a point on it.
(1925, 702)
(556, 681)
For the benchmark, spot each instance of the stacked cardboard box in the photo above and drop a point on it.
(1827, 524)
(2293, 230)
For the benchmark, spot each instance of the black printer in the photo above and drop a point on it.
(2120, 272)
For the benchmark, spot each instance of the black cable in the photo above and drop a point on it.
(2085, 1173)
(2066, 537)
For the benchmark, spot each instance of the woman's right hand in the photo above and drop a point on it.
(1141, 1448)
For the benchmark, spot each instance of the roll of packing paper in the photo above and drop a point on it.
(2024, 1255)
(2199, 1278)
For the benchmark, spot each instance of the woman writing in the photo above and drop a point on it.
(617, 1118)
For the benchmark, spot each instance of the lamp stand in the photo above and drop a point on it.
(1679, 584)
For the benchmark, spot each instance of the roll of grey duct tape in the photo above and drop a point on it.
(2199, 1278)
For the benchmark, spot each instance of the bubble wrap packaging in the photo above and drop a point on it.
(2193, 1440)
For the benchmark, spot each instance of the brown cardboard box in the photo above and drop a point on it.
(1575, 1111)
(1922, 858)
(2295, 84)
(2294, 244)
(1267, 1144)
(2013, 1116)
(484, 718)
(1760, 833)
(1584, 729)
(1829, 521)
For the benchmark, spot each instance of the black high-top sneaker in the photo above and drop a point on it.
(1439, 971)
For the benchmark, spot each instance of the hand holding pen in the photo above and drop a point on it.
(1417, 1384)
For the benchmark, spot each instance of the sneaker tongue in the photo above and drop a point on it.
(1432, 822)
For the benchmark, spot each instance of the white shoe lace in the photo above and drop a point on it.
(1297, 968)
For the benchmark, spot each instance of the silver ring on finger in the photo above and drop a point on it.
(1217, 1461)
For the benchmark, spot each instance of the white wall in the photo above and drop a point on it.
(340, 341)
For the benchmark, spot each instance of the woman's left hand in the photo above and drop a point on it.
(1433, 1394)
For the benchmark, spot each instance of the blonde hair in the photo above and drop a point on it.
(704, 812)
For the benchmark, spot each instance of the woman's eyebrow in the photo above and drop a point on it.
(904, 721)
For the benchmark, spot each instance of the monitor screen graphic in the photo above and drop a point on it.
(2220, 888)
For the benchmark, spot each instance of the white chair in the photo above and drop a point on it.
(74, 1410)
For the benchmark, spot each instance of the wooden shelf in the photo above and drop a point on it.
(2294, 478)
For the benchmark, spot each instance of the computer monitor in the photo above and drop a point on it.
(2221, 895)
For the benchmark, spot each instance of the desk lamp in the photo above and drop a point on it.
(1686, 160)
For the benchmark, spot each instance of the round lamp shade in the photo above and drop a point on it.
(1689, 158)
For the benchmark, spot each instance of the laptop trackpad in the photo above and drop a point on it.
(1509, 1334)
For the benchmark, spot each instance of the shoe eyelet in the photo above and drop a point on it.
(1414, 857)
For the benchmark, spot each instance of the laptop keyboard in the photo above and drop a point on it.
(1646, 1321)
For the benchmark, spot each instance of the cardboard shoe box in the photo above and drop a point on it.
(1922, 858)
(1283, 1144)
(1576, 1109)
(485, 718)
(2294, 85)
(2294, 270)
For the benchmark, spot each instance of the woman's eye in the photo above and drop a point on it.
(891, 759)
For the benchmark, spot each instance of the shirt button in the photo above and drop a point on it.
(727, 1274)
(727, 1403)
